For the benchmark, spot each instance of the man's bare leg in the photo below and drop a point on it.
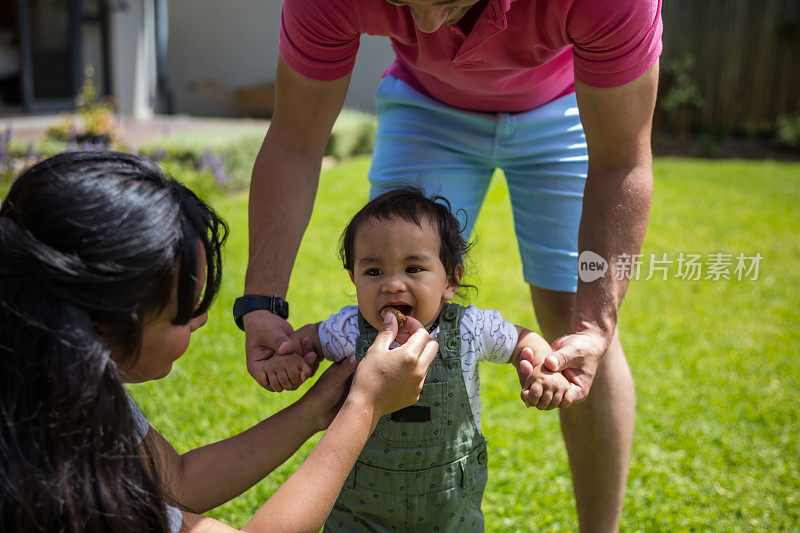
(598, 432)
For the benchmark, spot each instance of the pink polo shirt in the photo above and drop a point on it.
(520, 54)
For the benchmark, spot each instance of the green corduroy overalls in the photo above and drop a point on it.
(424, 467)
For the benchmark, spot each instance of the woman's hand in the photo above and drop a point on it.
(326, 396)
(392, 379)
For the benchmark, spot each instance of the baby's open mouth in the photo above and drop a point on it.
(400, 311)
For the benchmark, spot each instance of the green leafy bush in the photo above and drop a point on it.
(207, 160)
(788, 131)
(228, 153)
(18, 148)
(93, 121)
(682, 88)
(353, 134)
(202, 182)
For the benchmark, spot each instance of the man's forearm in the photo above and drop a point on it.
(619, 189)
(616, 208)
(282, 192)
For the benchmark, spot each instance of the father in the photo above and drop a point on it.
(479, 85)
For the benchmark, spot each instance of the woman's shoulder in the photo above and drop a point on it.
(141, 425)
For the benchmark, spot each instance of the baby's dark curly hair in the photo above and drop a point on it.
(410, 203)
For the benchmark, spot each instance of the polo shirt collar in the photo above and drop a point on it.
(491, 22)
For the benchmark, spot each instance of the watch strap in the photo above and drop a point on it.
(252, 302)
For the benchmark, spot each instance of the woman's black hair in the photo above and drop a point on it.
(92, 244)
(410, 203)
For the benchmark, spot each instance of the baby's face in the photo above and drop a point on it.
(396, 263)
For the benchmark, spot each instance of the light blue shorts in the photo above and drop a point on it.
(454, 152)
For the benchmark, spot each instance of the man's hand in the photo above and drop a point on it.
(541, 387)
(266, 335)
(577, 356)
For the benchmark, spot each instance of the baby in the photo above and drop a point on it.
(424, 466)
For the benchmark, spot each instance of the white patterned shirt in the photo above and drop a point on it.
(485, 336)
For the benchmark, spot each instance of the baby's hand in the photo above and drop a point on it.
(286, 372)
(542, 388)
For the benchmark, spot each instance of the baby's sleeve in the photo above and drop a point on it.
(338, 334)
(486, 336)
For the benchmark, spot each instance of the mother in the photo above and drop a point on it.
(106, 268)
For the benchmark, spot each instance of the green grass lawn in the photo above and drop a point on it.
(715, 362)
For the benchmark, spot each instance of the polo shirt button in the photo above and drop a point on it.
(450, 314)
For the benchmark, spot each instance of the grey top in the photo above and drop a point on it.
(174, 518)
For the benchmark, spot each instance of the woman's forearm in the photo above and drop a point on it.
(305, 500)
(214, 474)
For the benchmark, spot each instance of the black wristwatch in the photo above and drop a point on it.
(251, 302)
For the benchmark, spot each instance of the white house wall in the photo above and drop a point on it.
(132, 58)
(236, 41)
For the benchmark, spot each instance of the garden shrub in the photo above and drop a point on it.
(19, 149)
(227, 153)
(788, 131)
(206, 160)
(352, 134)
(93, 122)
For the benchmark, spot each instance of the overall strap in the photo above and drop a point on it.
(366, 336)
(450, 330)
